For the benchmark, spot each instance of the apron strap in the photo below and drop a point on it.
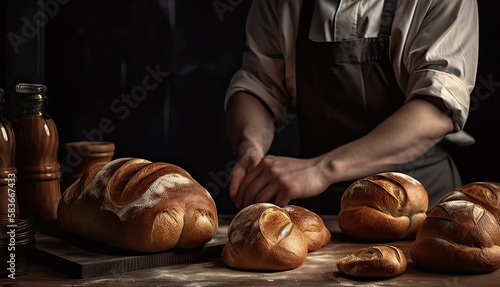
(387, 17)
(306, 13)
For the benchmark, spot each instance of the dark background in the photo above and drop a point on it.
(92, 54)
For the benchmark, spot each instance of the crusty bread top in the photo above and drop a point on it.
(374, 262)
(384, 206)
(390, 192)
(485, 194)
(462, 231)
(461, 222)
(264, 236)
(149, 206)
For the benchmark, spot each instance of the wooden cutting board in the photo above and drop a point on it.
(79, 257)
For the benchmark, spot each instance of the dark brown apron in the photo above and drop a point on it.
(344, 90)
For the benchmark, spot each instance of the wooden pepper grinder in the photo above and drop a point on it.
(39, 189)
(8, 172)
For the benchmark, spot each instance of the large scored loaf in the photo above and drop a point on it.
(264, 237)
(384, 206)
(462, 232)
(138, 205)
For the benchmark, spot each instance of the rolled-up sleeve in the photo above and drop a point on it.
(441, 54)
(263, 69)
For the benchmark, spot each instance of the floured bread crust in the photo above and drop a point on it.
(374, 262)
(138, 205)
(382, 207)
(462, 232)
(264, 236)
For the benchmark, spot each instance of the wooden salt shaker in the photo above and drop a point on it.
(8, 172)
(84, 155)
(39, 173)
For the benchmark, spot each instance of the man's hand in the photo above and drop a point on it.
(246, 163)
(278, 179)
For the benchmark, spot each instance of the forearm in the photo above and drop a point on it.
(408, 133)
(249, 124)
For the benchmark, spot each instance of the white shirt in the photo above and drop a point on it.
(434, 46)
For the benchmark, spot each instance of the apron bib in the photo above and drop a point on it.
(345, 89)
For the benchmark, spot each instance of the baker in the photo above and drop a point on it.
(377, 85)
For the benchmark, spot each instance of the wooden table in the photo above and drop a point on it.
(319, 269)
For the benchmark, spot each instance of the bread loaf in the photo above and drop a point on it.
(374, 262)
(462, 232)
(138, 205)
(385, 206)
(264, 236)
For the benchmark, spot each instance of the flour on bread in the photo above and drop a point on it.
(155, 193)
(101, 179)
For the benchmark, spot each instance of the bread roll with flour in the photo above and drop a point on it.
(264, 236)
(374, 262)
(138, 205)
(385, 206)
(462, 232)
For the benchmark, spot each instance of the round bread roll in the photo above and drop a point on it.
(385, 206)
(138, 205)
(462, 232)
(264, 236)
(374, 262)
